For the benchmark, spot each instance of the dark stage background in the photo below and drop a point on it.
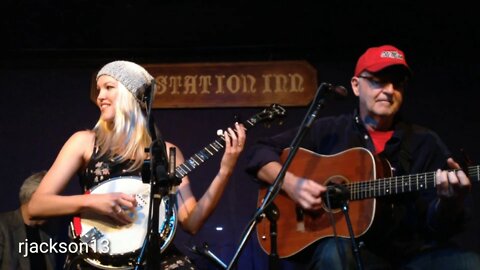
(50, 50)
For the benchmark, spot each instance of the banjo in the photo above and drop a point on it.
(106, 245)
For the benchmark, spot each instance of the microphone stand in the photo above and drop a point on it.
(339, 195)
(272, 213)
(275, 188)
(156, 174)
(356, 251)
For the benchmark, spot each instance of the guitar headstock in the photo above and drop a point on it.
(268, 114)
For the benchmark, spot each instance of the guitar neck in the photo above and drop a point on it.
(399, 184)
(207, 152)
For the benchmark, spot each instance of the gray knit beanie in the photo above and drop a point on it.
(134, 77)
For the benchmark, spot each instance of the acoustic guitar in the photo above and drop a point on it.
(365, 177)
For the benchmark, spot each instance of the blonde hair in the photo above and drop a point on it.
(127, 137)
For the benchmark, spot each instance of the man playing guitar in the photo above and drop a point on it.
(407, 229)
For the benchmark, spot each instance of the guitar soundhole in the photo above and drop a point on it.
(332, 200)
(317, 220)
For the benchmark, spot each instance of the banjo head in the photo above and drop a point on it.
(110, 243)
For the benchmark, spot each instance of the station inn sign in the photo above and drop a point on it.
(235, 84)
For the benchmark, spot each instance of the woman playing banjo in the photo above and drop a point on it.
(115, 147)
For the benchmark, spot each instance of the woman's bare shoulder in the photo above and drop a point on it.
(83, 135)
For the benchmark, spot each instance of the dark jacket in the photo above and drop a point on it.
(12, 232)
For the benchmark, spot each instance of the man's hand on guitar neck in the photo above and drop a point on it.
(452, 187)
(452, 183)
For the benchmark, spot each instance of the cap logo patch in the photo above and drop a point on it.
(391, 54)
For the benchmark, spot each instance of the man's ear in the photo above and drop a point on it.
(354, 82)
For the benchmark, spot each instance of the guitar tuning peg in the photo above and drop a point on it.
(219, 132)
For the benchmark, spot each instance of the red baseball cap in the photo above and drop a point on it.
(378, 58)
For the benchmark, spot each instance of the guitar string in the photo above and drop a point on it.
(203, 155)
(398, 184)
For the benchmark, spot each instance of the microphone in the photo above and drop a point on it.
(149, 94)
(323, 91)
(335, 195)
(174, 180)
(209, 255)
(340, 90)
(327, 89)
